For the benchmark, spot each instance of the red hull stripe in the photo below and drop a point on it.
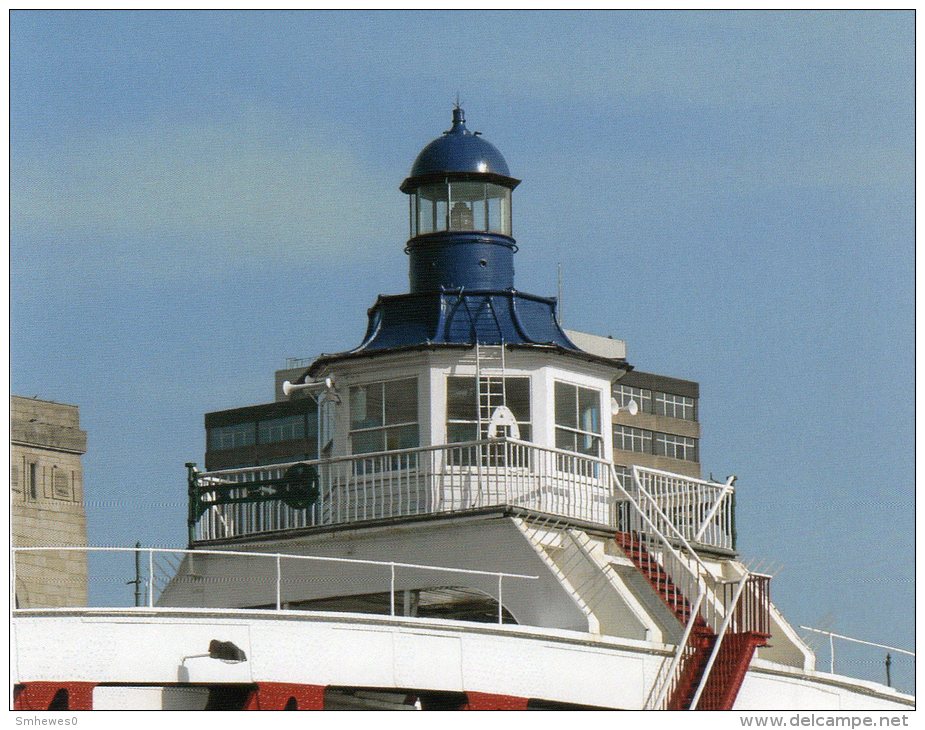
(41, 696)
(282, 696)
(484, 701)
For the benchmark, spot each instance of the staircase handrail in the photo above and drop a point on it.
(661, 513)
(724, 627)
(704, 580)
(655, 531)
(665, 679)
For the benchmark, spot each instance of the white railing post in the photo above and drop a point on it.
(279, 582)
(708, 519)
(150, 578)
(676, 660)
(727, 619)
(500, 595)
(832, 653)
(392, 590)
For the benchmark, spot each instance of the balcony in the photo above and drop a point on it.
(450, 478)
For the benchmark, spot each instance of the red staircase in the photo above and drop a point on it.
(748, 629)
(728, 672)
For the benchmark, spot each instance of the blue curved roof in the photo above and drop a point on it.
(459, 150)
(459, 318)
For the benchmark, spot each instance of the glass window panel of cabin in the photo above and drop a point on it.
(589, 445)
(566, 440)
(401, 401)
(364, 442)
(366, 406)
(578, 411)
(566, 399)
(461, 399)
(459, 432)
(517, 398)
(463, 408)
(401, 437)
(589, 410)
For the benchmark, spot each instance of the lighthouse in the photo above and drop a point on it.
(460, 259)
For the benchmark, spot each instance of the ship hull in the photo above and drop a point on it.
(147, 659)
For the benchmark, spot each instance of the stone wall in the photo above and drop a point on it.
(47, 499)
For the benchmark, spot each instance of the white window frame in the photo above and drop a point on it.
(674, 406)
(599, 436)
(625, 393)
(385, 426)
(670, 445)
(642, 435)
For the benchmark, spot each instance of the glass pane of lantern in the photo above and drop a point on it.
(468, 206)
(498, 199)
(425, 216)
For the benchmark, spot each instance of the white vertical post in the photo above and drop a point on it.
(832, 653)
(279, 580)
(14, 552)
(392, 589)
(150, 577)
(500, 596)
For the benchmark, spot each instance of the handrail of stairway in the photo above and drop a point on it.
(679, 652)
(700, 580)
(724, 627)
(665, 517)
(661, 514)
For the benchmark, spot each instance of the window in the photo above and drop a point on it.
(675, 447)
(60, 484)
(469, 401)
(632, 439)
(33, 480)
(232, 437)
(282, 429)
(384, 416)
(460, 206)
(625, 393)
(578, 419)
(675, 406)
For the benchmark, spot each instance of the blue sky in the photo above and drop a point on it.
(197, 196)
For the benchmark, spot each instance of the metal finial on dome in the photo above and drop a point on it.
(459, 119)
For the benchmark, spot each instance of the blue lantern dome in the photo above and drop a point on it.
(458, 151)
(461, 260)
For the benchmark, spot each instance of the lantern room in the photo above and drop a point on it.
(459, 197)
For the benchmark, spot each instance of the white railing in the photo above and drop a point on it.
(657, 524)
(457, 477)
(868, 663)
(701, 511)
(428, 480)
(151, 575)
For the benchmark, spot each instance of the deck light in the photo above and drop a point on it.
(227, 651)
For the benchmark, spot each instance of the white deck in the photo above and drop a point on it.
(159, 646)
